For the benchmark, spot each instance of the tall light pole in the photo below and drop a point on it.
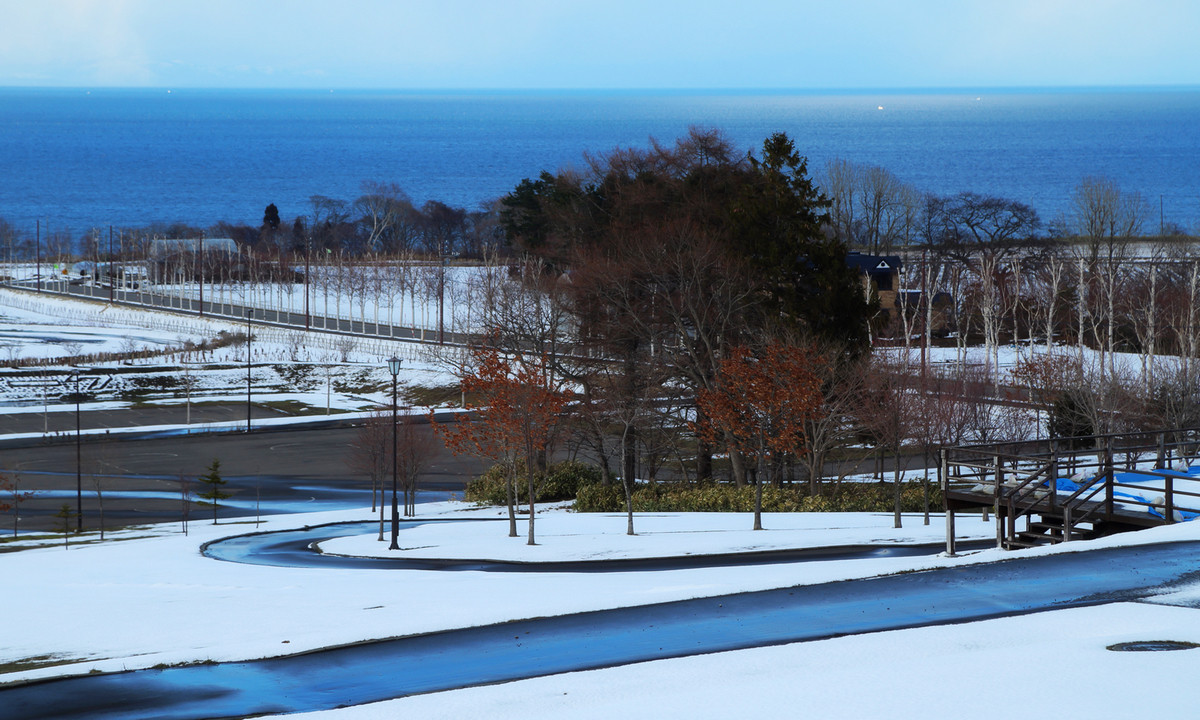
(442, 296)
(249, 315)
(307, 270)
(78, 463)
(394, 369)
(37, 256)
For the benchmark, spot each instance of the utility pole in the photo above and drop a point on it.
(78, 464)
(249, 315)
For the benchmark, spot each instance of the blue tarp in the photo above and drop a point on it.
(1068, 486)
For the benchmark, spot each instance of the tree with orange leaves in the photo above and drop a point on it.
(759, 406)
(518, 411)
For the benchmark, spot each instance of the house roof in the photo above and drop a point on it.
(871, 264)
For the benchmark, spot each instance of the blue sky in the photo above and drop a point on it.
(417, 44)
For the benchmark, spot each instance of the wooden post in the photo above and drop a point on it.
(944, 484)
(1108, 478)
(1000, 517)
(1052, 471)
(1169, 500)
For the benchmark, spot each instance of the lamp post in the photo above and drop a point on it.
(394, 369)
(78, 463)
(249, 315)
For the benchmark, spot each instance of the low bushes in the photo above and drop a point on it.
(562, 482)
(576, 480)
(711, 497)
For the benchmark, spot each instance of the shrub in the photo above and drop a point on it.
(562, 482)
(713, 497)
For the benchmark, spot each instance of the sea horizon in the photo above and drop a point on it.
(79, 158)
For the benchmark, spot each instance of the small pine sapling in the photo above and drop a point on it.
(213, 481)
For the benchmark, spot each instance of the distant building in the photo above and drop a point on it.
(880, 276)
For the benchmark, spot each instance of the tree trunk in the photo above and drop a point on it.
(737, 466)
(512, 500)
(628, 507)
(627, 477)
(896, 487)
(757, 498)
(703, 461)
(529, 475)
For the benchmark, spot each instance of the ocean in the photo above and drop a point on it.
(77, 159)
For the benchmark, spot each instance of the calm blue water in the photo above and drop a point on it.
(78, 158)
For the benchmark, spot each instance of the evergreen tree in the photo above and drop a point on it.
(271, 217)
(66, 517)
(213, 482)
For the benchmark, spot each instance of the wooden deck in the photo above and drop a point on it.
(1059, 490)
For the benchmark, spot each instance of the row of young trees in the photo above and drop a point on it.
(1136, 298)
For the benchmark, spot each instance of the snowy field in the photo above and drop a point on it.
(155, 600)
(335, 374)
(152, 598)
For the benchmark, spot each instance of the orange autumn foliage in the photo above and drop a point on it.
(760, 404)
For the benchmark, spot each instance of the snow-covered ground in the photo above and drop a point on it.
(147, 596)
(314, 369)
(150, 600)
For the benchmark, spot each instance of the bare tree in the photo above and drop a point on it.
(841, 185)
(971, 227)
(415, 449)
(383, 207)
(1104, 216)
(370, 454)
(888, 409)
(832, 427)
(185, 497)
(11, 497)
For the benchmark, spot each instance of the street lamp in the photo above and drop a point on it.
(78, 462)
(394, 369)
(249, 315)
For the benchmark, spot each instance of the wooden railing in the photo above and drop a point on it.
(1023, 480)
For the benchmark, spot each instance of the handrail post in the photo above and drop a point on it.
(1169, 500)
(944, 483)
(999, 480)
(1052, 496)
(1067, 523)
(1108, 479)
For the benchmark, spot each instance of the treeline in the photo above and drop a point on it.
(873, 210)
(381, 221)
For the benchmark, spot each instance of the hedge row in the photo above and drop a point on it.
(668, 497)
(561, 482)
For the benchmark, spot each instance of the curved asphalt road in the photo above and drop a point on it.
(510, 651)
(293, 548)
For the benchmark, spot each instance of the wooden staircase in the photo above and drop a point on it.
(1045, 492)
(1049, 530)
